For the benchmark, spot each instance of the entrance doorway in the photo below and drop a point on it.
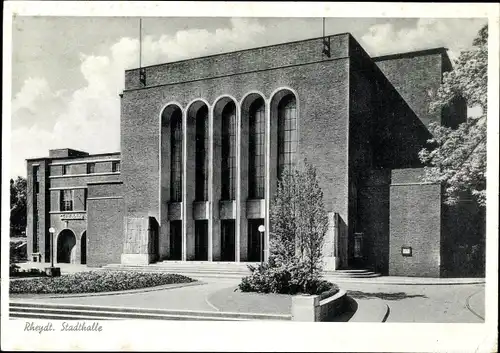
(255, 248)
(176, 240)
(358, 251)
(154, 233)
(228, 240)
(66, 250)
(201, 240)
(83, 248)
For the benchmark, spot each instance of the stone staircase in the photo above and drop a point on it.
(59, 311)
(236, 270)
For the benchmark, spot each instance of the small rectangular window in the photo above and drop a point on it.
(65, 169)
(36, 173)
(85, 196)
(90, 168)
(115, 167)
(66, 200)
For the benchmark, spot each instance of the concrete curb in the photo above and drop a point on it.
(98, 294)
(416, 281)
(470, 304)
(370, 310)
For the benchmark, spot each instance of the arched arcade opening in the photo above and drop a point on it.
(66, 247)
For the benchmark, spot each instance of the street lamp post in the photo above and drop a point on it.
(52, 271)
(261, 230)
(52, 231)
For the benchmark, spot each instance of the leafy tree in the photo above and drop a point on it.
(17, 204)
(457, 158)
(299, 224)
(299, 220)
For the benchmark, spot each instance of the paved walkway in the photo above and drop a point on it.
(423, 303)
(415, 302)
(185, 298)
(227, 299)
(407, 280)
(475, 303)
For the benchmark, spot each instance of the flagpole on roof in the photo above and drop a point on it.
(140, 42)
(326, 42)
(142, 71)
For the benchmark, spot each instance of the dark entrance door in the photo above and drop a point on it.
(227, 240)
(176, 240)
(255, 251)
(201, 240)
(358, 251)
(66, 242)
(155, 238)
(83, 248)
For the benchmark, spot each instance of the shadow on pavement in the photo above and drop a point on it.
(384, 296)
(351, 307)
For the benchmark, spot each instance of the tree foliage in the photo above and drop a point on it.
(457, 158)
(299, 220)
(299, 224)
(18, 205)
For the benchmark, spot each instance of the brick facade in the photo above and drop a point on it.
(105, 223)
(415, 221)
(361, 122)
(417, 76)
(66, 171)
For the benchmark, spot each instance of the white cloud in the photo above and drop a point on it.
(89, 118)
(453, 34)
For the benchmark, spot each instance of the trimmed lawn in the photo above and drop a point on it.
(94, 282)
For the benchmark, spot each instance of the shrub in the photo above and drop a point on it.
(15, 271)
(271, 278)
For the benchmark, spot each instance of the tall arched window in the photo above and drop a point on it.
(256, 167)
(287, 133)
(176, 156)
(228, 165)
(201, 186)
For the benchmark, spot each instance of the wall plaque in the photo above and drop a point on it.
(358, 245)
(73, 216)
(406, 251)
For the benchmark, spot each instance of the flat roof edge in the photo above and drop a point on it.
(423, 52)
(239, 51)
(73, 157)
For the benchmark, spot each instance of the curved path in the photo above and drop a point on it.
(424, 303)
(187, 298)
(407, 303)
(475, 304)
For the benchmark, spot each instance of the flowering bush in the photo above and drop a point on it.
(94, 281)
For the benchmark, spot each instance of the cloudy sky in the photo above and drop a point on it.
(67, 72)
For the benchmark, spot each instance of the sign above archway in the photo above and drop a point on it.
(73, 216)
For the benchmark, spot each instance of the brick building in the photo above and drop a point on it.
(204, 140)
